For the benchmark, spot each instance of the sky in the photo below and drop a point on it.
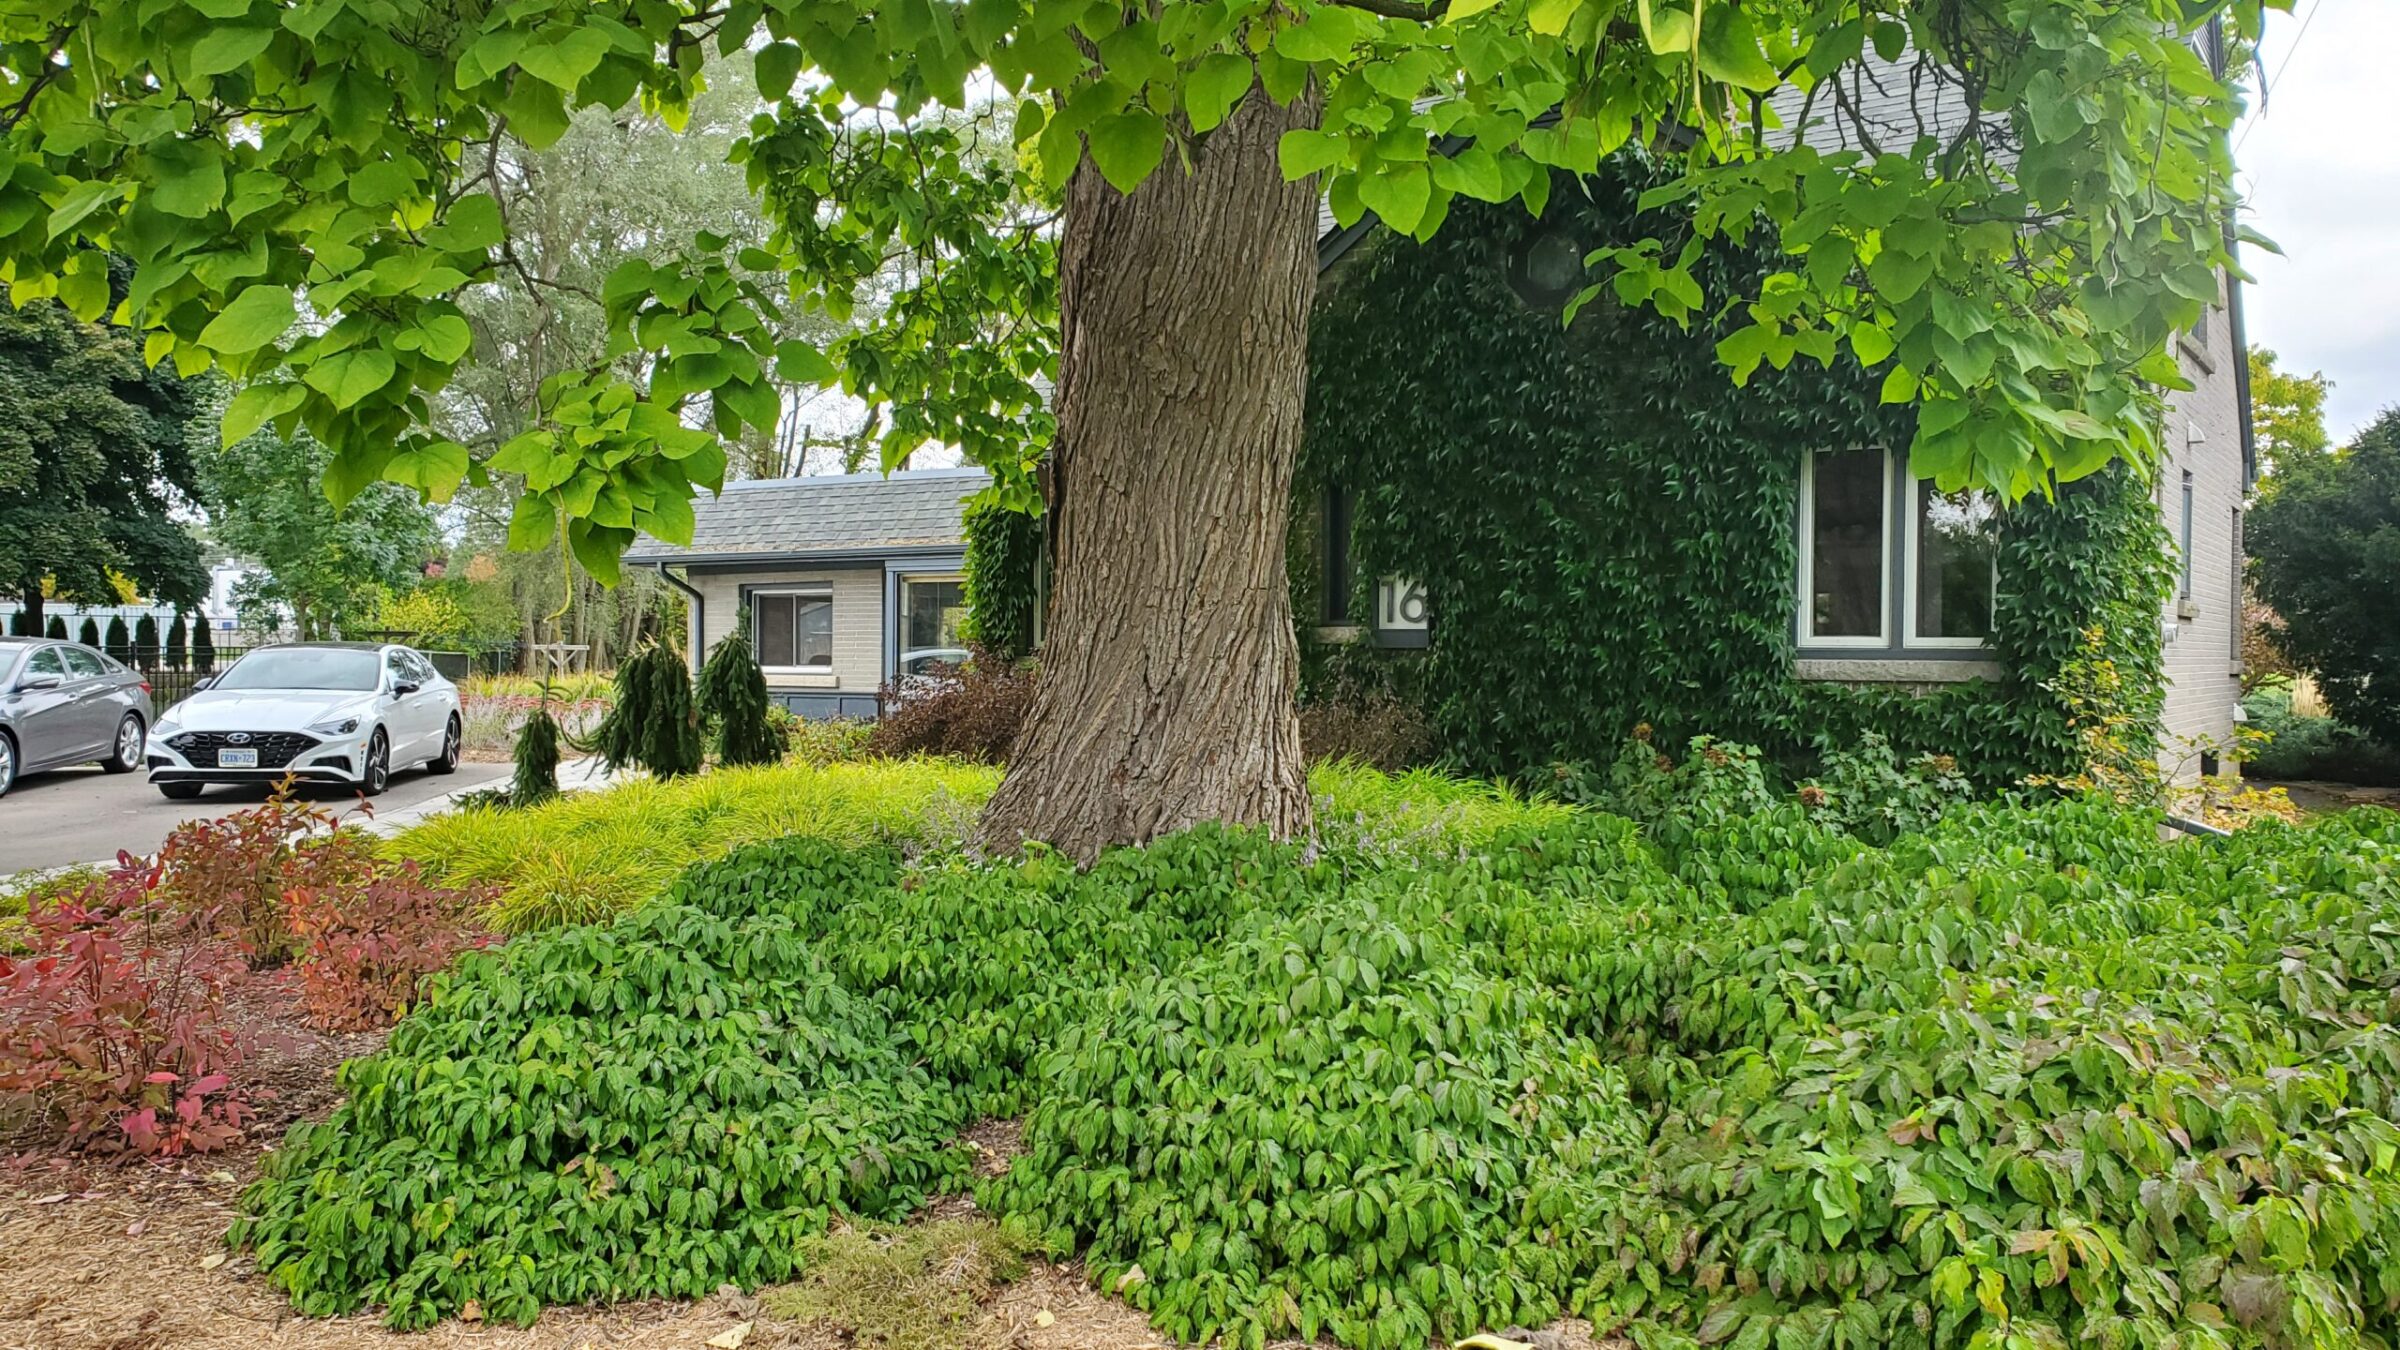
(2320, 171)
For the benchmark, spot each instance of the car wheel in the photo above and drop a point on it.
(8, 763)
(377, 774)
(128, 756)
(179, 792)
(452, 739)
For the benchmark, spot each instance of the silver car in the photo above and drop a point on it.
(62, 703)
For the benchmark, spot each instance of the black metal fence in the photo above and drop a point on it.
(172, 679)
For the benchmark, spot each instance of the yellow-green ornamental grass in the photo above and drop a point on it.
(590, 855)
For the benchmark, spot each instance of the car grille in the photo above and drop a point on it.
(276, 749)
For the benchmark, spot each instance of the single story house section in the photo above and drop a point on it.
(846, 582)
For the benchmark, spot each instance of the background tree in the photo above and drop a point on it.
(733, 702)
(2325, 543)
(93, 465)
(326, 566)
(2018, 275)
(2287, 412)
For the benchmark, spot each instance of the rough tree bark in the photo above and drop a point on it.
(1169, 664)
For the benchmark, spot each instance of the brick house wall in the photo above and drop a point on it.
(2201, 626)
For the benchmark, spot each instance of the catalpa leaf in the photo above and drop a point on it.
(257, 316)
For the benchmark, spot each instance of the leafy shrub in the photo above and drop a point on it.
(1868, 792)
(178, 641)
(56, 628)
(2314, 747)
(652, 722)
(369, 936)
(592, 855)
(120, 640)
(145, 639)
(733, 703)
(204, 648)
(237, 867)
(88, 632)
(973, 713)
(1340, 1122)
(647, 1108)
(1376, 728)
(113, 1017)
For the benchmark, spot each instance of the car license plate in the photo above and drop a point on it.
(237, 759)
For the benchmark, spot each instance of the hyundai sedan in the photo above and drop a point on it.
(350, 713)
(62, 703)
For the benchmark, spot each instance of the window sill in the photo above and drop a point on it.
(1893, 670)
(802, 679)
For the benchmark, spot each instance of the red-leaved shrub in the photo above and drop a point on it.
(114, 1018)
(237, 867)
(973, 712)
(368, 935)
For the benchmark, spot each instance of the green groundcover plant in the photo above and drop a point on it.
(2028, 1075)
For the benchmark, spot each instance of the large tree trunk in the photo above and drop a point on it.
(1169, 664)
(30, 601)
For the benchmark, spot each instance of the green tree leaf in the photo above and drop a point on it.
(257, 316)
(1127, 146)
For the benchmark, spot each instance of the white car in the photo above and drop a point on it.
(328, 712)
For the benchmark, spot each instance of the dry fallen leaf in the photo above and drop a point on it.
(212, 1260)
(732, 1337)
(223, 1177)
(1044, 1318)
(1131, 1278)
(50, 1199)
(137, 1227)
(471, 1310)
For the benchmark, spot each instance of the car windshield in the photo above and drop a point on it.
(303, 668)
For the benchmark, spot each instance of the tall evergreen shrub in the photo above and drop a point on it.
(57, 628)
(178, 643)
(733, 703)
(653, 723)
(204, 648)
(145, 640)
(120, 639)
(89, 634)
(536, 779)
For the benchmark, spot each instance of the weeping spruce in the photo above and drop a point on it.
(536, 779)
(733, 701)
(653, 724)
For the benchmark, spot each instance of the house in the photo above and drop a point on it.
(846, 583)
(1542, 535)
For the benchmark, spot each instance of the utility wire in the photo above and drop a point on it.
(2266, 90)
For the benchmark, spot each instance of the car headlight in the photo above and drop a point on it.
(335, 726)
(165, 727)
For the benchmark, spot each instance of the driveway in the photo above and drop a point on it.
(84, 816)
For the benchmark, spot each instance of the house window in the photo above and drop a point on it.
(2183, 534)
(1940, 583)
(1954, 567)
(932, 610)
(792, 630)
(1844, 548)
(1334, 582)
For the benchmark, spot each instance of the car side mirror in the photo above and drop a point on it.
(32, 682)
(404, 688)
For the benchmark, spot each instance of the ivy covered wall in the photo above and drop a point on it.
(1605, 525)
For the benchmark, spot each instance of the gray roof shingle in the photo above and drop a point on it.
(859, 513)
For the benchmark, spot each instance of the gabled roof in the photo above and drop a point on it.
(849, 515)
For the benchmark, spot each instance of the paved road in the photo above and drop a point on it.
(84, 815)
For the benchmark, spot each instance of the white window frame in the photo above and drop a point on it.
(1882, 639)
(1914, 576)
(824, 593)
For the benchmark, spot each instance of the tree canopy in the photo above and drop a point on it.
(2326, 538)
(305, 187)
(2287, 410)
(325, 567)
(93, 465)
